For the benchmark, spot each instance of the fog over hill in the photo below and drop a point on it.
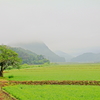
(71, 26)
(65, 55)
(41, 49)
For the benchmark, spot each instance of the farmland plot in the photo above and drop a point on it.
(54, 92)
(74, 72)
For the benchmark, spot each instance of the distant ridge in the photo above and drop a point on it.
(41, 49)
(87, 58)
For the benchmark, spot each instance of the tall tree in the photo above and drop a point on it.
(8, 58)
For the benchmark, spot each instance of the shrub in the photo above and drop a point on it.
(10, 76)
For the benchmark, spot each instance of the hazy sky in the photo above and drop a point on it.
(67, 25)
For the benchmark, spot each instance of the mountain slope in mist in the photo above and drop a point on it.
(65, 55)
(41, 49)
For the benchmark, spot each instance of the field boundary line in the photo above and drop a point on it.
(55, 82)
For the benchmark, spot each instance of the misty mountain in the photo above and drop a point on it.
(87, 58)
(65, 55)
(29, 57)
(41, 49)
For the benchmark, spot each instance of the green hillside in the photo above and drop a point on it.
(29, 57)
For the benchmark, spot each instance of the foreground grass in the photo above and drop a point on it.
(56, 72)
(54, 92)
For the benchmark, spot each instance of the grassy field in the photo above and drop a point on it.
(56, 72)
(54, 92)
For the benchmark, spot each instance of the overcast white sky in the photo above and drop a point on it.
(66, 25)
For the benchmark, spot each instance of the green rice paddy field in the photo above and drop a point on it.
(57, 72)
(55, 92)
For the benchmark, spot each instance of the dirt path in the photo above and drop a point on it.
(4, 95)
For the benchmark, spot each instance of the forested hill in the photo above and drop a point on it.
(29, 57)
